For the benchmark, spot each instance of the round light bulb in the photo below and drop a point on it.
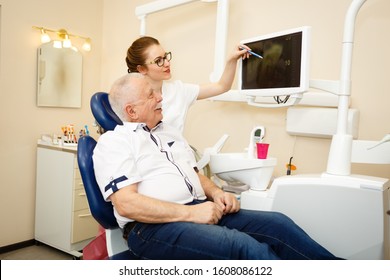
(45, 38)
(57, 44)
(87, 45)
(67, 43)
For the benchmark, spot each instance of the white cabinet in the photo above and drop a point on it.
(62, 216)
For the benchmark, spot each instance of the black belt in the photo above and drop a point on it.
(127, 229)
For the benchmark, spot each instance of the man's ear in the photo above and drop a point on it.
(131, 112)
(142, 69)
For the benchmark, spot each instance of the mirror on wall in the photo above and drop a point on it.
(59, 77)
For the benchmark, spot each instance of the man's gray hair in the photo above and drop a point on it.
(123, 92)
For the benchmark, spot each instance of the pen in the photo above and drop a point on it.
(252, 53)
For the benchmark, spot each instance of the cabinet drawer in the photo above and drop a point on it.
(77, 174)
(80, 200)
(84, 226)
(78, 183)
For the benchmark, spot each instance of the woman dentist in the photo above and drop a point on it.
(149, 58)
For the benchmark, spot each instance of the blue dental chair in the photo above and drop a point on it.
(101, 210)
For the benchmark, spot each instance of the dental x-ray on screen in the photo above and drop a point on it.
(283, 68)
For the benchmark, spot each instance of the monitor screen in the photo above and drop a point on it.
(283, 68)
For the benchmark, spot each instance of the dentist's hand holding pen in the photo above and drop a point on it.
(249, 51)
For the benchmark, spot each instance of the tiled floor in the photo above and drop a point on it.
(36, 252)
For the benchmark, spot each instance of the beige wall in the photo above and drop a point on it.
(22, 123)
(188, 31)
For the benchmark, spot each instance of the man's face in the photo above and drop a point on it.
(147, 107)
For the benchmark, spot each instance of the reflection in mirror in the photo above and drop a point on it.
(59, 77)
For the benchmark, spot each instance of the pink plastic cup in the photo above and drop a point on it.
(262, 150)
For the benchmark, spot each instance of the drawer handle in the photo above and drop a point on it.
(85, 215)
(82, 194)
(81, 184)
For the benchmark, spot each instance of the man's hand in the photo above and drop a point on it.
(206, 213)
(227, 201)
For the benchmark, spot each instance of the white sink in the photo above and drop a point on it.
(233, 167)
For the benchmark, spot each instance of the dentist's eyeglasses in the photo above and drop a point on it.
(161, 60)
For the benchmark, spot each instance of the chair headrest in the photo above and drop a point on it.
(102, 111)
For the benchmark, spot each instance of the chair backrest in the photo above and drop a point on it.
(102, 111)
(101, 210)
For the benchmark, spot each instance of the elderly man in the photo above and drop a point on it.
(168, 210)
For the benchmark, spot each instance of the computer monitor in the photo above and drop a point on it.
(283, 69)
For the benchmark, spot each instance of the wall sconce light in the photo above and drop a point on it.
(45, 38)
(87, 45)
(64, 37)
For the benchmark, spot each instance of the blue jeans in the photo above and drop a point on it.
(259, 235)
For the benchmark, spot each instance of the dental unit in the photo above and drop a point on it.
(344, 212)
